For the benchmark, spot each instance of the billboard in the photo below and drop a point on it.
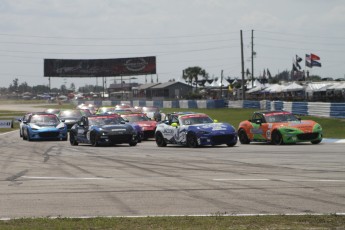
(99, 67)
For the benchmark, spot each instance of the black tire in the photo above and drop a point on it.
(316, 142)
(20, 133)
(133, 143)
(192, 140)
(277, 138)
(242, 136)
(72, 139)
(23, 135)
(28, 136)
(231, 145)
(160, 140)
(93, 140)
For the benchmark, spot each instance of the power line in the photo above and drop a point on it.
(117, 38)
(300, 35)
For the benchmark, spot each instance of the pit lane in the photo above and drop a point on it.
(48, 178)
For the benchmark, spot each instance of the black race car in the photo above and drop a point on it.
(103, 129)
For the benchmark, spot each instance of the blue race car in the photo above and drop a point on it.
(103, 129)
(193, 130)
(43, 126)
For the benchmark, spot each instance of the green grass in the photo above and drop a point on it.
(200, 223)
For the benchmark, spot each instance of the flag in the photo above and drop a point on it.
(269, 74)
(314, 57)
(312, 60)
(298, 60)
(295, 63)
(307, 61)
(315, 63)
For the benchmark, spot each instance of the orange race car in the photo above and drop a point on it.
(279, 127)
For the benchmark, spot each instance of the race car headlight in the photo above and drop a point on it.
(34, 127)
(318, 127)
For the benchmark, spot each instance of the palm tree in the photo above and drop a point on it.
(193, 73)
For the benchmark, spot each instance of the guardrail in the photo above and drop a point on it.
(322, 109)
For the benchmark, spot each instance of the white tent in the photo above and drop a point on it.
(259, 87)
(340, 86)
(274, 88)
(207, 84)
(315, 86)
(293, 87)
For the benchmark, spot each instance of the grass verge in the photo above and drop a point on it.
(187, 222)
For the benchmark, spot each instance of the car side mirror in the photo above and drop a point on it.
(124, 122)
(215, 121)
(62, 120)
(174, 124)
(258, 121)
(25, 122)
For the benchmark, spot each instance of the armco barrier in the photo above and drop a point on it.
(322, 109)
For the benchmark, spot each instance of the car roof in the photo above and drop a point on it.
(105, 115)
(273, 112)
(42, 113)
(193, 114)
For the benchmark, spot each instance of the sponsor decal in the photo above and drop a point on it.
(268, 134)
(136, 64)
(6, 124)
(256, 131)
(168, 131)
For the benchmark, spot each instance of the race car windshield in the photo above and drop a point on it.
(281, 118)
(44, 119)
(106, 110)
(145, 109)
(196, 120)
(105, 121)
(137, 118)
(70, 113)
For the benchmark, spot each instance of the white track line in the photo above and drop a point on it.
(63, 178)
(277, 179)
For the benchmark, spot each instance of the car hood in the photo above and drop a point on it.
(210, 127)
(147, 123)
(116, 127)
(304, 125)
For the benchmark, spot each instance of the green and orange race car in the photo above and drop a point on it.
(279, 127)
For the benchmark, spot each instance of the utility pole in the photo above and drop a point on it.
(242, 64)
(252, 58)
(221, 85)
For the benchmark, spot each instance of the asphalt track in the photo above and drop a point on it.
(55, 179)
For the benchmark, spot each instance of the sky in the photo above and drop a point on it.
(180, 33)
